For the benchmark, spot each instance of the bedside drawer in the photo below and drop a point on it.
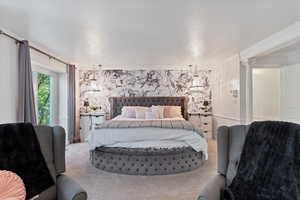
(206, 129)
(195, 120)
(208, 134)
(206, 119)
(206, 123)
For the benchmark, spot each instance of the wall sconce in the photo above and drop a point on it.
(196, 82)
(86, 104)
(235, 88)
(194, 70)
(93, 82)
(94, 76)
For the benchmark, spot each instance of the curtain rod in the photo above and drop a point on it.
(34, 48)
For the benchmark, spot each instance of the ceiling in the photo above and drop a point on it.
(146, 32)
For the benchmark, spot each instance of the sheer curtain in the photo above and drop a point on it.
(26, 104)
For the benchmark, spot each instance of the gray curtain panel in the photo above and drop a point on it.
(71, 104)
(26, 104)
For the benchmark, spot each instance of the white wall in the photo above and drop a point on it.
(266, 94)
(226, 108)
(290, 90)
(275, 94)
(49, 64)
(8, 80)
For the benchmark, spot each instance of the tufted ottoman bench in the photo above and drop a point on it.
(146, 161)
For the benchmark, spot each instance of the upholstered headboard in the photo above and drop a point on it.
(116, 103)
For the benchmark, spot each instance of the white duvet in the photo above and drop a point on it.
(144, 137)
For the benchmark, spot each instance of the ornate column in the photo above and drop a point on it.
(247, 91)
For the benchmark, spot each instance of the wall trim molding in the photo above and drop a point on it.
(225, 117)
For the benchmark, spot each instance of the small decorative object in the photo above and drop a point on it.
(11, 186)
(93, 108)
(94, 75)
(205, 106)
(86, 104)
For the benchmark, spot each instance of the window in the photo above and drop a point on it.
(50, 90)
(45, 91)
(44, 99)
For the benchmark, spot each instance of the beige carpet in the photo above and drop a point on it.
(102, 185)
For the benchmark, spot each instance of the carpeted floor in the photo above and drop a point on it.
(102, 185)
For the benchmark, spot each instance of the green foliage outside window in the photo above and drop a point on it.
(43, 96)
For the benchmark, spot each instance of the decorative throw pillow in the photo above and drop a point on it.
(172, 111)
(151, 115)
(140, 112)
(11, 186)
(128, 112)
(159, 109)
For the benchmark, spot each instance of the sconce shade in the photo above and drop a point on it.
(205, 103)
(86, 103)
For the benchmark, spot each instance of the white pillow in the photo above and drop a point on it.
(128, 112)
(141, 111)
(172, 112)
(152, 115)
(159, 109)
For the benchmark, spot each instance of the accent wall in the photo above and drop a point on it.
(96, 86)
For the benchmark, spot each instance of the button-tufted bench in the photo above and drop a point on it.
(146, 161)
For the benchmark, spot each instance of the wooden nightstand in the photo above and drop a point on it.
(203, 120)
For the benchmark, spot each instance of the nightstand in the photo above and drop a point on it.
(88, 122)
(203, 120)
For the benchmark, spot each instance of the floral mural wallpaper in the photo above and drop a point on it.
(96, 86)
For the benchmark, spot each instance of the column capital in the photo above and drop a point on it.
(249, 62)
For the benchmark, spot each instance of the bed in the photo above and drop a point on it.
(147, 147)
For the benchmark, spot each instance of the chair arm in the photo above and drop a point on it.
(68, 189)
(213, 188)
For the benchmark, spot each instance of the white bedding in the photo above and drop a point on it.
(144, 137)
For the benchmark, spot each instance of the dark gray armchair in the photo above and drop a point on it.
(230, 145)
(52, 141)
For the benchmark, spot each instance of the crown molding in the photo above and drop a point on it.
(275, 42)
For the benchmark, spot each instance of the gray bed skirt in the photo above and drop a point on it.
(146, 161)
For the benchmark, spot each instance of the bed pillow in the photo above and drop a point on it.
(172, 111)
(159, 109)
(128, 112)
(151, 115)
(140, 112)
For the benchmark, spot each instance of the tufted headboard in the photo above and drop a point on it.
(116, 103)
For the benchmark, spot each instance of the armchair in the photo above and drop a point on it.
(230, 141)
(52, 141)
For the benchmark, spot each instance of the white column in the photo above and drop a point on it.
(246, 92)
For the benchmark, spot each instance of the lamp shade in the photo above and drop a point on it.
(86, 103)
(205, 103)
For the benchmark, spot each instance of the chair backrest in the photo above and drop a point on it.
(52, 141)
(230, 145)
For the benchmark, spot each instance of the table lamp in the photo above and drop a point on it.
(86, 105)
